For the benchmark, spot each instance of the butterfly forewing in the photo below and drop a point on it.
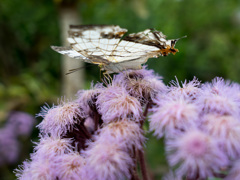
(68, 51)
(96, 41)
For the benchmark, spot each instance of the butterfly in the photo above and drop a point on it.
(109, 47)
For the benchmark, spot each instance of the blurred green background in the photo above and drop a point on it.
(30, 72)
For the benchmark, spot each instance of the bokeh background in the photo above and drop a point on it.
(31, 73)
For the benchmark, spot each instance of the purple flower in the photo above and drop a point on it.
(110, 154)
(86, 97)
(189, 90)
(106, 160)
(21, 171)
(142, 84)
(195, 154)
(9, 146)
(115, 103)
(59, 119)
(236, 87)
(70, 167)
(124, 132)
(100, 135)
(49, 147)
(220, 86)
(41, 169)
(234, 173)
(22, 122)
(89, 124)
(43, 160)
(172, 115)
(225, 129)
(219, 97)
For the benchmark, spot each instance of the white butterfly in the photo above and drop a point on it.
(107, 46)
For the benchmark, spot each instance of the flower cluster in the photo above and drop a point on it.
(100, 136)
(200, 123)
(18, 124)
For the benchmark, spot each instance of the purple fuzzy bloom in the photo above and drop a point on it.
(22, 122)
(136, 74)
(115, 103)
(49, 147)
(236, 87)
(225, 129)
(70, 167)
(89, 124)
(189, 90)
(100, 136)
(40, 169)
(173, 115)
(85, 97)
(219, 97)
(107, 160)
(220, 86)
(59, 119)
(142, 84)
(21, 171)
(234, 173)
(124, 132)
(195, 154)
(9, 146)
(109, 155)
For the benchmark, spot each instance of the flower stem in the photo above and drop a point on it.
(143, 165)
(149, 104)
(133, 171)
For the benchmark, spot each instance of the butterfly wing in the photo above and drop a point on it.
(135, 49)
(68, 51)
(106, 46)
(156, 39)
(95, 42)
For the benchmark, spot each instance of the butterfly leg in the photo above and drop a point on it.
(107, 77)
(101, 70)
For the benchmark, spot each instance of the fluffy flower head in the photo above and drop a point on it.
(189, 90)
(196, 154)
(41, 169)
(85, 97)
(234, 172)
(226, 129)
(59, 119)
(107, 161)
(9, 146)
(21, 121)
(69, 166)
(124, 132)
(173, 115)
(115, 103)
(219, 97)
(142, 84)
(49, 147)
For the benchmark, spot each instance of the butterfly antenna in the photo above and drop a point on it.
(181, 37)
(174, 41)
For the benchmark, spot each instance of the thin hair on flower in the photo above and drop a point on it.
(61, 118)
(189, 90)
